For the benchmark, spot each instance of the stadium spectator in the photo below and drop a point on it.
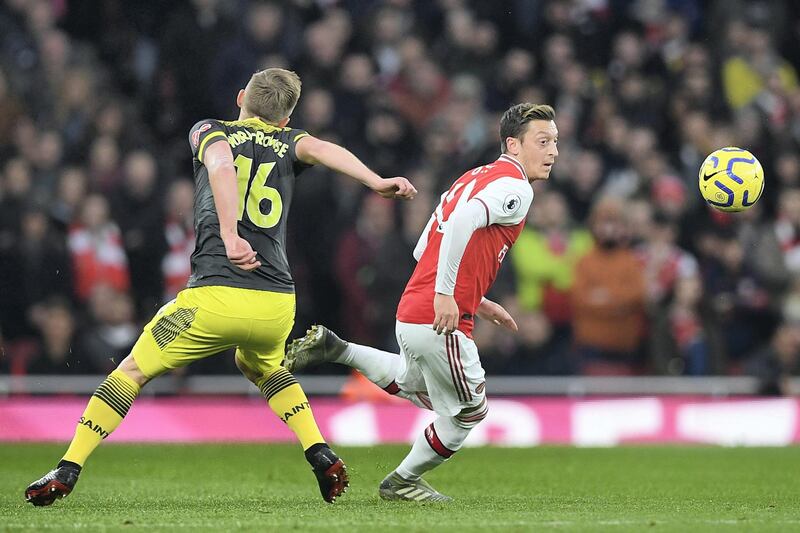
(691, 333)
(188, 45)
(17, 192)
(179, 236)
(739, 298)
(35, 268)
(582, 183)
(110, 331)
(664, 262)
(787, 168)
(264, 32)
(10, 111)
(139, 211)
(766, 241)
(676, 332)
(71, 189)
(57, 352)
(388, 144)
(419, 92)
(390, 29)
(105, 170)
(372, 266)
(775, 363)
(516, 71)
(357, 83)
(608, 296)
(43, 267)
(317, 111)
(748, 72)
(96, 247)
(536, 350)
(787, 228)
(544, 284)
(324, 47)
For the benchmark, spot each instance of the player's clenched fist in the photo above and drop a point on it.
(398, 187)
(240, 253)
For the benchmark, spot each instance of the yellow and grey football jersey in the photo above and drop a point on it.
(266, 167)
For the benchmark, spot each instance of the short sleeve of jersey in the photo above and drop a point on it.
(294, 136)
(506, 200)
(204, 134)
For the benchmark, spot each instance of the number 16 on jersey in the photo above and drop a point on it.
(252, 192)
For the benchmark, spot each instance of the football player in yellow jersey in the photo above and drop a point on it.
(240, 294)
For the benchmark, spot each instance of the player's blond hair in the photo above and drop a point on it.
(272, 94)
(516, 118)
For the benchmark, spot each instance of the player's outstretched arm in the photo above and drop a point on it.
(218, 160)
(489, 310)
(311, 150)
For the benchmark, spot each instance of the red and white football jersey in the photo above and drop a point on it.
(503, 189)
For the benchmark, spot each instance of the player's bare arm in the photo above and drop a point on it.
(222, 176)
(489, 310)
(312, 150)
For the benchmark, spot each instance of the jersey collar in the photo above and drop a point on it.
(513, 160)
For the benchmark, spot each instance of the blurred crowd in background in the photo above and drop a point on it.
(621, 268)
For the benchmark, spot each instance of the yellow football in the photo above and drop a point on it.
(731, 179)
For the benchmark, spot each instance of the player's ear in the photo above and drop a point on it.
(512, 145)
(240, 98)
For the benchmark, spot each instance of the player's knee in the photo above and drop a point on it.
(471, 416)
(129, 367)
(248, 372)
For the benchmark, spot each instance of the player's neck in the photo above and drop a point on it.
(245, 116)
(248, 116)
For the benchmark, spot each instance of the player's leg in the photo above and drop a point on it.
(173, 338)
(260, 361)
(288, 401)
(103, 414)
(284, 396)
(440, 440)
(387, 370)
(455, 381)
(436, 444)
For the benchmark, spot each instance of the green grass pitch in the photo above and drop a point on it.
(270, 488)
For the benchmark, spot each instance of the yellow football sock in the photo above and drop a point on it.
(287, 400)
(107, 407)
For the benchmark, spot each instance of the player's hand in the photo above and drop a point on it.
(398, 187)
(489, 310)
(240, 253)
(446, 309)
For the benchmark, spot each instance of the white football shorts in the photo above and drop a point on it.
(446, 367)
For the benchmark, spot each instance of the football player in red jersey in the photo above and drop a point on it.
(458, 256)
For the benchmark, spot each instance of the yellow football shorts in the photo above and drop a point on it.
(204, 321)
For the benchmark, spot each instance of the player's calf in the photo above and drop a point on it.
(54, 485)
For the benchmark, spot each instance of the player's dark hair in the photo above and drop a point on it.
(272, 94)
(517, 117)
